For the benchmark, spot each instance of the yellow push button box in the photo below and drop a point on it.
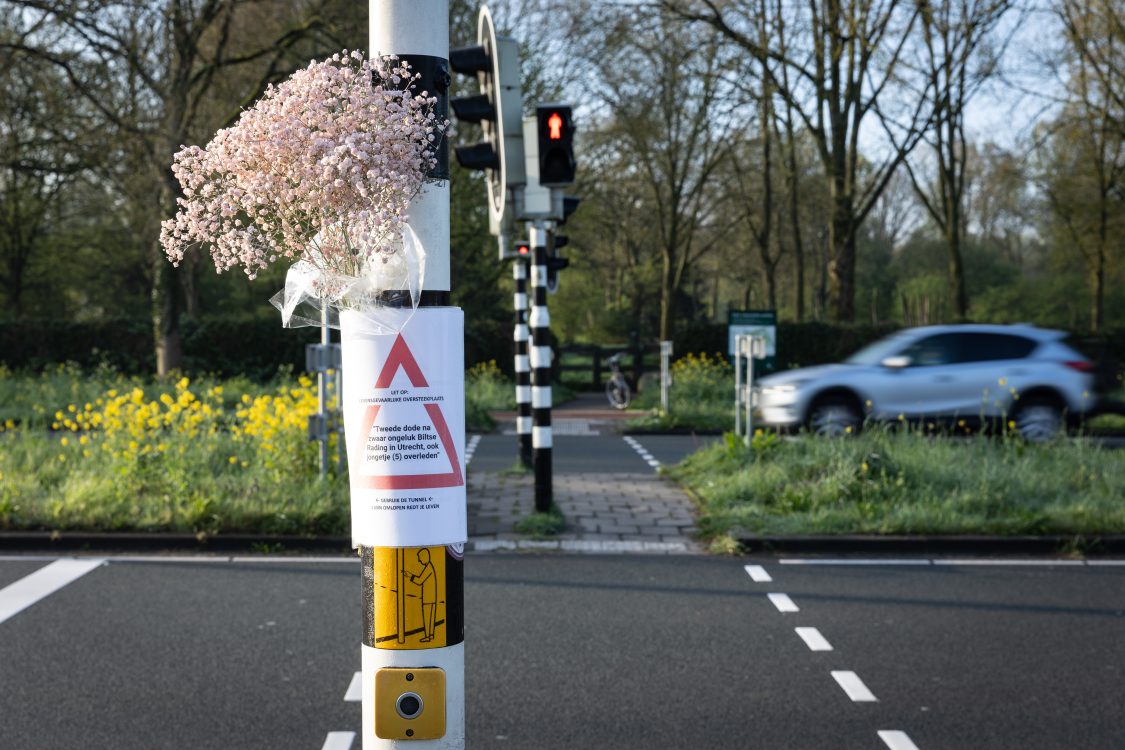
(410, 703)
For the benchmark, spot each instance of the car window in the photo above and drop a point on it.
(940, 349)
(988, 347)
(873, 354)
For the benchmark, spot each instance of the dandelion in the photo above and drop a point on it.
(1002, 381)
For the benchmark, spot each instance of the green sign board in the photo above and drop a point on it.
(756, 323)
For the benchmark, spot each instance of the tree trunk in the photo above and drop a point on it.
(667, 290)
(841, 268)
(1098, 301)
(167, 293)
(957, 272)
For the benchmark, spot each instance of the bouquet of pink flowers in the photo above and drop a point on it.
(321, 170)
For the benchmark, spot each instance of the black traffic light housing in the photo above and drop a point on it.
(498, 108)
(555, 131)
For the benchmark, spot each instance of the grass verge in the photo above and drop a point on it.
(900, 482)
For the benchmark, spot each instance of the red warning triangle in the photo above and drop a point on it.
(401, 358)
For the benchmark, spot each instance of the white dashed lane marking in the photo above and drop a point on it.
(471, 448)
(25, 592)
(757, 574)
(642, 451)
(783, 602)
(355, 688)
(338, 741)
(813, 639)
(896, 740)
(854, 687)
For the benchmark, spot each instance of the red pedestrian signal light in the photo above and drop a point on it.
(523, 249)
(554, 125)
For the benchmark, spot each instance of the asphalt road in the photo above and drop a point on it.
(581, 652)
(573, 454)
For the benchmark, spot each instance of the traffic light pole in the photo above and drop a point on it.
(413, 651)
(540, 356)
(523, 367)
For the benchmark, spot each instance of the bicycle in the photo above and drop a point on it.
(617, 388)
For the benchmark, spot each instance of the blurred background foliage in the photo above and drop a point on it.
(704, 186)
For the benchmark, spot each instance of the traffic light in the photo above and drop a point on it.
(523, 249)
(569, 206)
(498, 109)
(555, 127)
(554, 265)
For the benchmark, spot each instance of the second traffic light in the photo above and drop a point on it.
(555, 131)
(497, 109)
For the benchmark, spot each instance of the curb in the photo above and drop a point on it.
(1055, 545)
(929, 545)
(62, 541)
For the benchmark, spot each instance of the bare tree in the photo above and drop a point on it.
(956, 59)
(837, 60)
(147, 71)
(668, 113)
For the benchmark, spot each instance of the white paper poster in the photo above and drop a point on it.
(404, 422)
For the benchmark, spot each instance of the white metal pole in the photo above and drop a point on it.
(417, 30)
(738, 385)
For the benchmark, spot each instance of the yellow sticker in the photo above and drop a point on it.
(409, 595)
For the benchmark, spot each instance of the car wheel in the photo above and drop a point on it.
(1039, 421)
(834, 417)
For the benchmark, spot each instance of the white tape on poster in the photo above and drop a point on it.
(404, 422)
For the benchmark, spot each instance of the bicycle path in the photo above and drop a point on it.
(606, 486)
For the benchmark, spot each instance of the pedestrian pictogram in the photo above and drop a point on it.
(414, 598)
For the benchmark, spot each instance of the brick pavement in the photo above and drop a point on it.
(643, 513)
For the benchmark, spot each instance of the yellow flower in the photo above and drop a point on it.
(64, 442)
(1002, 381)
(62, 458)
(1011, 425)
(848, 429)
(864, 467)
(232, 460)
(83, 440)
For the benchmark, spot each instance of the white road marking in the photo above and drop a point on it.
(471, 448)
(20, 595)
(1002, 562)
(338, 741)
(641, 451)
(852, 561)
(783, 603)
(355, 688)
(813, 639)
(854, 687)
(896, 740)
(1105, 562)
(758, 574)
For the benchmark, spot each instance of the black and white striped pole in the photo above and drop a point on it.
(520, 265)
(408, 514)
(540, 356)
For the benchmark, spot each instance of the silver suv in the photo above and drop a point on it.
(964, 374)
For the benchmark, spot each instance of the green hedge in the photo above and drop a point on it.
(257, 346)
